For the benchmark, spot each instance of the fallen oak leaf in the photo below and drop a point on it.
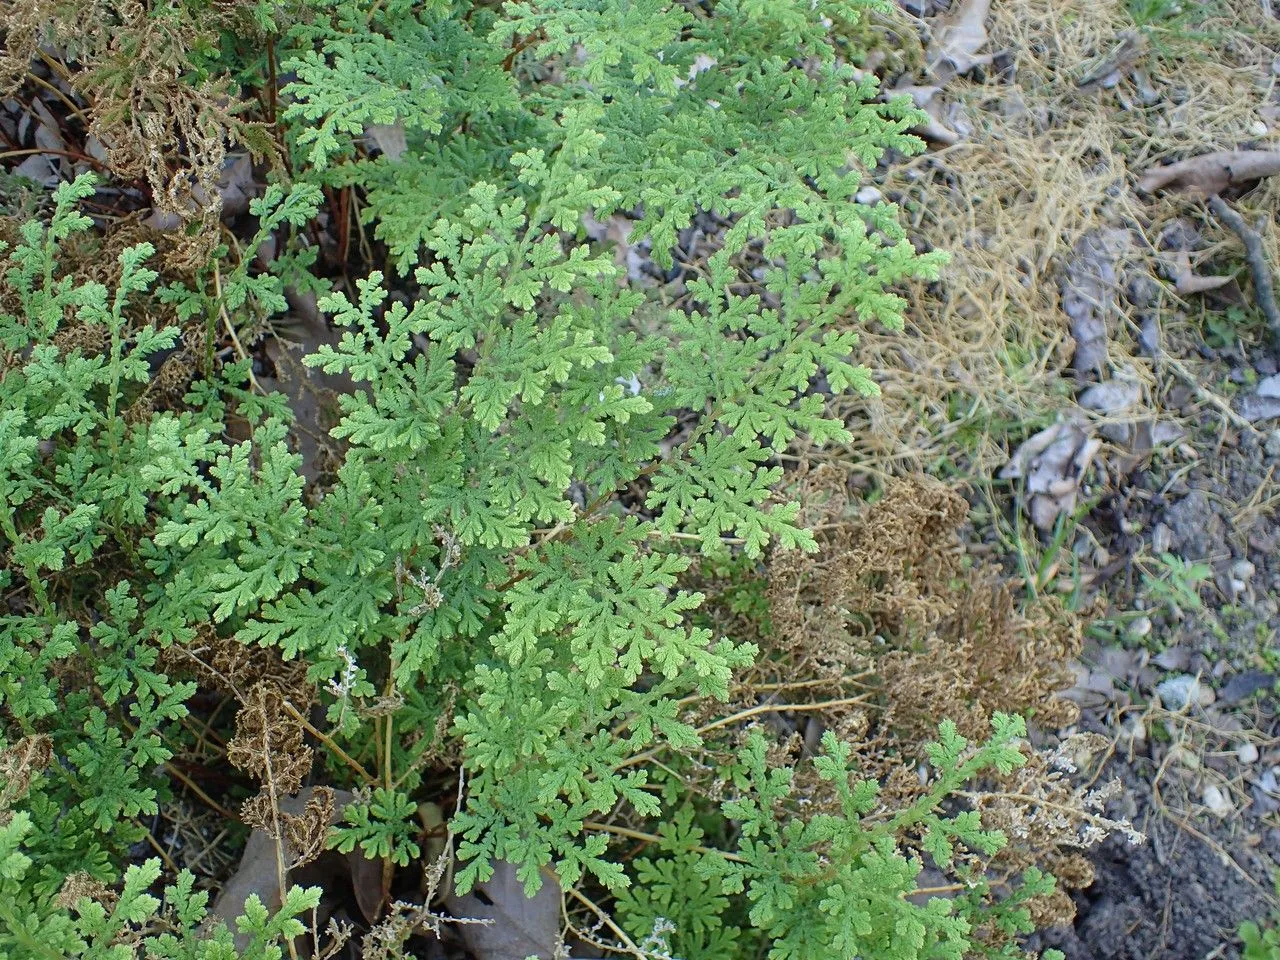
(1090, 290)
(1212, 173)
(1124, 57)
(1052, 464)
(1111, 396)
(388, 138)
(1190, 283)
(1264, 402)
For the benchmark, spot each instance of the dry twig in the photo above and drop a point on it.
(1263, 283)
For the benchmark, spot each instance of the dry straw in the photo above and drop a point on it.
(1043, 162)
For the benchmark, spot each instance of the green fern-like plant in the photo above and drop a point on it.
(89, 468)
(537, 446)
(530, 383)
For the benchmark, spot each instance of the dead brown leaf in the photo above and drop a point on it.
(1053, 463)
(1186, 281)
(44, 168)
(1090, 290)
(955, 46)
(926, 98)
(1123, 58)
(1111, 396)
(313, 394)
(521, 926)
(1212, 173)
(1264, 402)
(387, 138)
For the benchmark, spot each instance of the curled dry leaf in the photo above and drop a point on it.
(236, 185)
(1212, 173)
(1089, 293)
(1187, 282)
(1133, 435)
(44, 168)
(388, 138)
(616, 231)
(1111, 396)
(1107, 71)
(956, 42)
(926, 99)
(1053, 464)
(1264, 402)
(313, 393)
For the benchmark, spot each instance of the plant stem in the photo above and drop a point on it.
(328, 741)
(608, 922)
(651, 838)
(747, 714)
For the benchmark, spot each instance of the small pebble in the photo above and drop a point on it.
(1174, 659)
(1161, 538)
(1184, 757)
(868, 196)
(1258, 128)
(1134, 730)
(1216, 801)
(1247, 753)
(1181, 692)
(1268, 781)
(1139, 628)
(1243, 570)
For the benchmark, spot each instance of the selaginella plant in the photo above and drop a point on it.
(492, 585)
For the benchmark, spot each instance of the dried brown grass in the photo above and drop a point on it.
(1044, 162)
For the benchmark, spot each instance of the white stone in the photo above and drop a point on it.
(1216, 801)
(1184, 757)
(1247, 753)
(1243, 570)
(1183, 691)
(1134, 730)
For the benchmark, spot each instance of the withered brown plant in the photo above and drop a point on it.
(126, 66)
(889, 594)
(891, 606)
(269, 741)
(18, 764)
(302, 834)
